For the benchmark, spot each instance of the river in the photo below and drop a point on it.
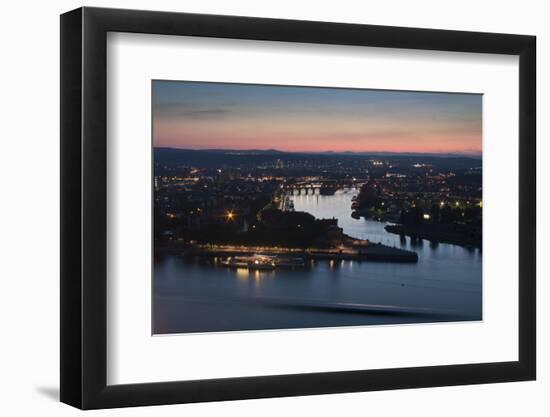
(191, 295)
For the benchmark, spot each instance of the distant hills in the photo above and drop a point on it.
(166, 150)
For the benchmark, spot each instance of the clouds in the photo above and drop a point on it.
(200, 115)
(182, 112)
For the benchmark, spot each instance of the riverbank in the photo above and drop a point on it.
(361, 252)
(452, 234)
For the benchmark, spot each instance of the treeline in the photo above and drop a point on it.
(272, 227)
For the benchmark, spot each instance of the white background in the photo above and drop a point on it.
(29, 213)
(134, 356)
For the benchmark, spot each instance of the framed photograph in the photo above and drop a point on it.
(257, 208)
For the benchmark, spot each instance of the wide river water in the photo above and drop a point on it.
(191, 295)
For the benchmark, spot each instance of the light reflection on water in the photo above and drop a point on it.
(192, 295)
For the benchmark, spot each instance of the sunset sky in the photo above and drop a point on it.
(195, 115)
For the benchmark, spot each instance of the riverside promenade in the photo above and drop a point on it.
(364, 252)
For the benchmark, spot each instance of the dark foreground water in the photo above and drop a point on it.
(192, 295)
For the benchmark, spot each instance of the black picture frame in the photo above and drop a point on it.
(84, 207)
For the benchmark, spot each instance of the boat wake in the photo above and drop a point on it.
(343, 307)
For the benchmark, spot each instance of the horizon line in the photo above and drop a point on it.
(457, 153)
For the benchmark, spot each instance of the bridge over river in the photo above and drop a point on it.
(319, 186)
